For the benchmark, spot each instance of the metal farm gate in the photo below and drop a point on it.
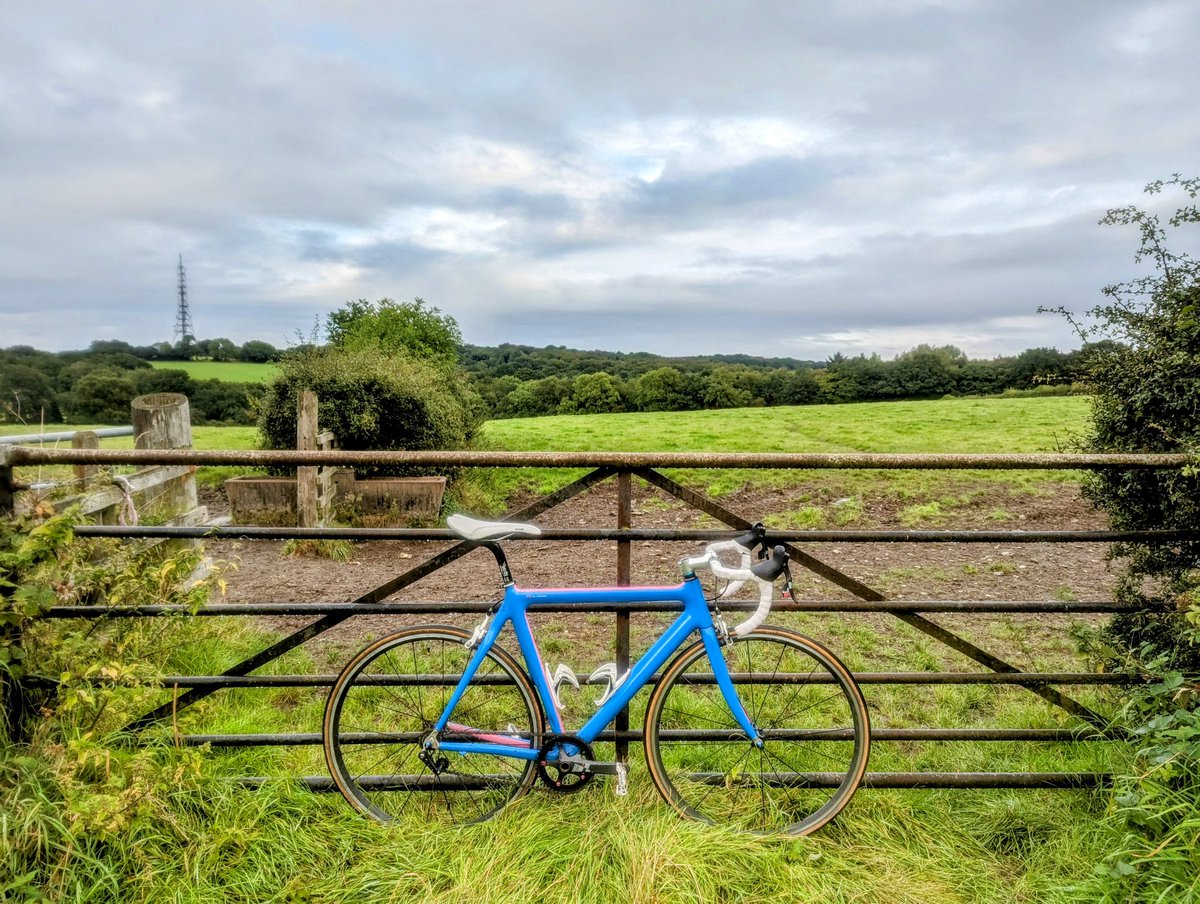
(1086, 724)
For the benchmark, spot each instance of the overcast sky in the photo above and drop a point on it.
(768, 178)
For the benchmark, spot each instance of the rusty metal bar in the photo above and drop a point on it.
(878, 735)
(627, 535)
(960, 607)
(411, 576)
(27, 455)
(1026, 679)
(624, 574)
(1062, 781)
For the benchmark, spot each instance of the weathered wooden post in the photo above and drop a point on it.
(85, 439)
(307, 509)
(163, 420)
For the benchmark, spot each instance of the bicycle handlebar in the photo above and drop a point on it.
(762, 574)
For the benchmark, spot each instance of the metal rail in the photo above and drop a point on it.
(472, 606)
(63, 436)
(626, 461)
(226, 532)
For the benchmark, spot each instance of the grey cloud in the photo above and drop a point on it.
(768, 186)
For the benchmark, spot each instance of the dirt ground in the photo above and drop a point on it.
(258, 572)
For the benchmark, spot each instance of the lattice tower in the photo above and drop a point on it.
(183, 316)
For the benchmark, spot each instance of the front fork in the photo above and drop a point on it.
(714, 639)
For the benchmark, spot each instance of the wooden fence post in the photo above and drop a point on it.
(163, 420)
(307, 514)
(85, 439)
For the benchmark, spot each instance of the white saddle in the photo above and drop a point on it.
(485, 531)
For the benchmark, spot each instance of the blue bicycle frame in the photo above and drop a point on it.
(514, 607)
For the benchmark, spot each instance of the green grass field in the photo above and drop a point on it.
(992, 425)
(949, 425)
(229, 371)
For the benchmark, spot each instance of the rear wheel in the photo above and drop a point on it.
(386, 701)
(809, 713)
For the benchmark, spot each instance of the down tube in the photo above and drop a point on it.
(695, 617)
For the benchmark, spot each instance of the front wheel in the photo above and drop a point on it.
(810, 715)
(385, 703)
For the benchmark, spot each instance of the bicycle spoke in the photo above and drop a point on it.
(729, 723)
(700, 804)
(834, 695)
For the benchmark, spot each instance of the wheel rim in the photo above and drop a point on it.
(386, 701)
(811, 717)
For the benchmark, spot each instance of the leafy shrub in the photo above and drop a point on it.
(1146, 398)
(371, 401)
(1145, 378)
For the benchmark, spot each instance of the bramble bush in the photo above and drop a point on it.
(1145, 383)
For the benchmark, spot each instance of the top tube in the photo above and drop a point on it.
(535, 596)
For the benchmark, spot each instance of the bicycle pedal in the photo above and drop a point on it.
(622, 780)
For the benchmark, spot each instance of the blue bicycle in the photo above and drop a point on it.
(755, 726)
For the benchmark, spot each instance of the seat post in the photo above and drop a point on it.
(502, 561)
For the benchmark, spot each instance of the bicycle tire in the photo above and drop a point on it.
(389, 696)
(808, 710)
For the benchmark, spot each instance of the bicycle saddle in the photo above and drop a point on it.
(484, 531)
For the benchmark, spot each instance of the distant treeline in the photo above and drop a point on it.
(96, 385)
(520, 381)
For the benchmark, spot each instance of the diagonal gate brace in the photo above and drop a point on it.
(862, 591)
(380, 593)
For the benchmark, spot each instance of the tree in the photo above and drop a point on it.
(664, 389)
(534, 398)
(721, 390)
(1146, 398)
(258, 352)
(26, 395)
(395, 328)
(222, 349)
(925, 371)
(593, 394)
(101, 396)
(164, 380)
(790, 387)
(1037, 367)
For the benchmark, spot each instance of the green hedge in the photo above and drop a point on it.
(371, 401)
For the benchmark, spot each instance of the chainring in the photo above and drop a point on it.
(557, 774)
